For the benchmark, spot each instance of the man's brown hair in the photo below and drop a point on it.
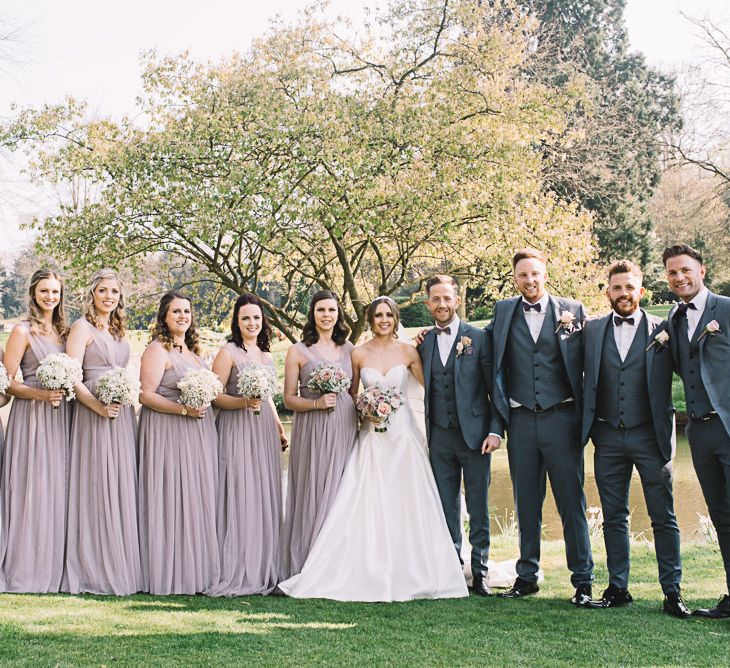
(624, 267)
(681, 249)
(439, 279)
(526, 253)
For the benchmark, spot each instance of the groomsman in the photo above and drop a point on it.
(699, 330)
(457, 368)
(628, 413)
(538, 369)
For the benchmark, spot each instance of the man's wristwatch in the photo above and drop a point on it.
(184, 411)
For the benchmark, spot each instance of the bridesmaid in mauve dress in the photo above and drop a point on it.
(178, 462)
(4, 398)
(35, 457)
(249, 463)
(102, 543)
(321, 440)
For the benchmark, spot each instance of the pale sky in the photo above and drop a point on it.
(90, 49)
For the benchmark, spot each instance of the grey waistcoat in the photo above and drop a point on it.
(698, 403)
(536, 375)
(622, 398)
(442, 395)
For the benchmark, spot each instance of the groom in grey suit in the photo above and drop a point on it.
(538, 374)
(457, 368)
(628, 413)
(699, 330)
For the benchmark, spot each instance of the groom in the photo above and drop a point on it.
(457, 369)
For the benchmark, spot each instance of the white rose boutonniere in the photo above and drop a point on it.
(660, 340)
(566, 322)
(711, 328)
(464, 346)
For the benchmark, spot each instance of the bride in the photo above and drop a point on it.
(385, 538)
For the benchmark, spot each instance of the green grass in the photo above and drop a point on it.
(542, 630)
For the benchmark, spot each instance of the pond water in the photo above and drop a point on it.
(689, 501)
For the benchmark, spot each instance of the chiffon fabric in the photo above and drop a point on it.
(249, 494)
(102, 548)
(178, 479)
(321, 442)
(385, 538)
(33, 487)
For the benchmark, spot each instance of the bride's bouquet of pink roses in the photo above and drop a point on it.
(378, 404)
(329, 378)
(59, 371)
(4, 379)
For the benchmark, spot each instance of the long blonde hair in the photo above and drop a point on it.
(117, 318)
(38, 323)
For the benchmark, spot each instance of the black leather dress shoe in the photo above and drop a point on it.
(479, 585)
(720, 611)
(519, 589)
(582, 597)
(612, 597)
(674, 605)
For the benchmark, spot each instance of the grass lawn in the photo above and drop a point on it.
(541, 630)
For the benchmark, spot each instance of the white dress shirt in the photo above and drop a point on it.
(695, 315)
(624, 334)
(446, 341)
(535, 319)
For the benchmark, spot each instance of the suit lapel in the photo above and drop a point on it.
(457, 359)
(501, 334)
(673, 332)
(707, 315)
(562, 342)
(428, 343)
(598, 343)
(650, 352)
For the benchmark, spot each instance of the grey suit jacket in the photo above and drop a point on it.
(714, 353)
(659, 369)
(569, 344)
(473, 379)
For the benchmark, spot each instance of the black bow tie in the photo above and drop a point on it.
(618, 320)
(443, 330)
(682, 307)
(532, 307)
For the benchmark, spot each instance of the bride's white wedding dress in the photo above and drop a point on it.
(385, 538)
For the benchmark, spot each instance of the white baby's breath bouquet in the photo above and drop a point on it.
(117, 386)
(198, 388)
(4, 379)
(257, 381)
(59, 371)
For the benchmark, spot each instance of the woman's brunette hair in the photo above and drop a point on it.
(340, 331)
(160, 330)
(263, 340)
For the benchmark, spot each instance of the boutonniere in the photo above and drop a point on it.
(711, 328)
(464, 347)
(566, 322)
(660, 340)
